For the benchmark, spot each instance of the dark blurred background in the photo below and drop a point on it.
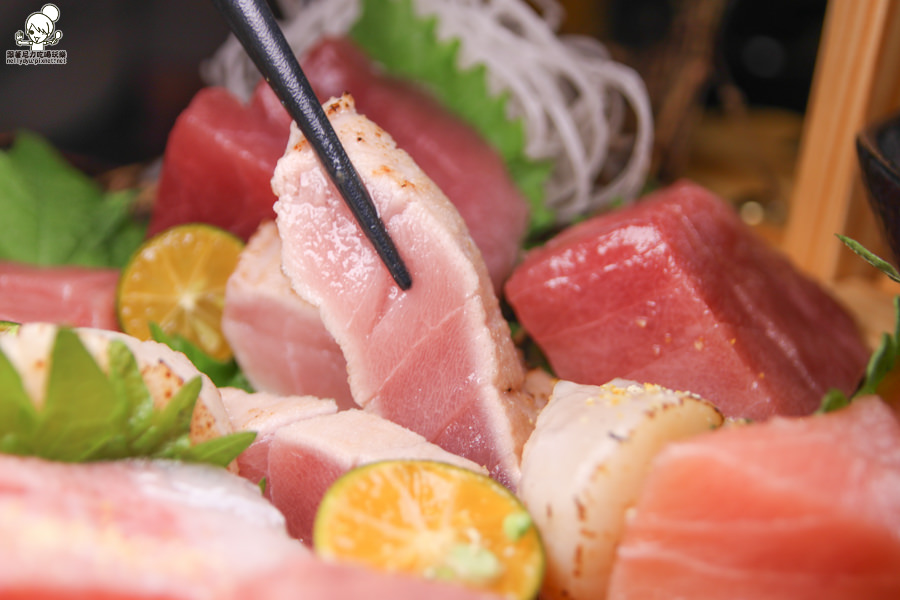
(133, 65)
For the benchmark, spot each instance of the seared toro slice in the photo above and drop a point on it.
(305, 458)
(437, 358)
(265, 414)
(133, 529)
(802, 508)
(278, 339)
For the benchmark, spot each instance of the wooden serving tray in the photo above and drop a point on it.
(856, 83)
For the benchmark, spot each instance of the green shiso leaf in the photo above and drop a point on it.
(89, 415)
(53, 214)
(407, 46)
(223, 373)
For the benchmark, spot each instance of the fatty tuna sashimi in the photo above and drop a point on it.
(265, 414)
(437, 358)
(277, 338)
(217, 166)
(455, 156)
(677, 291)
(794, 508)
(134, 529)
(75, 296)
(305, 458)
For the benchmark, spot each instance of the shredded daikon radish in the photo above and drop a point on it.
(572, 97)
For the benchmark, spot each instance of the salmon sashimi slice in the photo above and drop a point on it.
(278, 339)
(306, 457)
(437, 358)
(75, 296)
(794, 508)
(133, 529)
(265, 414)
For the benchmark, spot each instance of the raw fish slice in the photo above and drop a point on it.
(265, 414)
(466, 168)
(306, 457)
(76, 296)
(794, 508)
(437, 358)
(677, 291)
(134, 529)
(277, 338)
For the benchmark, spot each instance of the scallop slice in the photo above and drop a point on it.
(583, 468)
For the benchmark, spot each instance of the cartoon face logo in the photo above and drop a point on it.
(40, 29)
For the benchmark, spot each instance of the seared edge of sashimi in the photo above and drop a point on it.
(307, 456)
(265, 414)
(277, 338)
(164, 370)
(437, 358)
(134, 529)
(583, 468)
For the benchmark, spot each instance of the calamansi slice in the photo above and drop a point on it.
(433, 520)
(177, 279)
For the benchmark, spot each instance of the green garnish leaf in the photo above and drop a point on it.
(407, 46)
(54, 214)
(90, 415)
(870, 257)
(223, 373)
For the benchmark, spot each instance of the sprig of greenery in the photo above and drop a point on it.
(223, 373)
(883, 363)
(406, 45)
(88, 415)
(53, 214)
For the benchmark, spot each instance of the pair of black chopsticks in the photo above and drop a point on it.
(255, 27)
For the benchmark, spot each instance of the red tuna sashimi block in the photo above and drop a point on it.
(218, 165)
(76, 296)
(794, 508)
(278, 339)
(677, 291)
(306, 457)
(134, 529)
(437, 358)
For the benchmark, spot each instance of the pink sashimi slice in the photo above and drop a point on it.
(217, 166)
(265, 414)
(437, 358)
(75, 296)
(134, 529)
(278, 339)
(795, 508)
(677, 291)
(306, 457)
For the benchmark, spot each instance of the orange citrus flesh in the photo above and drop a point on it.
(177, 279)
(433, 520)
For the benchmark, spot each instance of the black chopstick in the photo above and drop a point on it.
(254, 25)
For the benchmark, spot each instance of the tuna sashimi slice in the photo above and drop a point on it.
(217, 166)
(677, 291)
(437, 358)
(305, 458)
(76, 296)
(795, 508)
(278, 339)
(133, 529)
(265, 414)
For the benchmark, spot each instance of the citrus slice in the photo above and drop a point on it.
(177, 279)
(434, 520)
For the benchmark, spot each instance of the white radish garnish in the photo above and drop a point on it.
(583, 467)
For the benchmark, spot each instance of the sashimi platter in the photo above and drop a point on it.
(596, 386)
